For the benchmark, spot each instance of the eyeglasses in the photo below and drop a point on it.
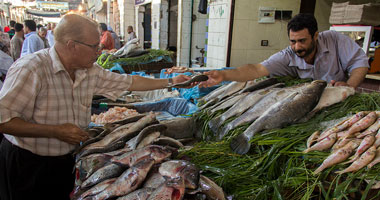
(93, 47)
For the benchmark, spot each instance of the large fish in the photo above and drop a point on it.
(231, 89)
(256, 110)
(96, 189)
(364, 160)
(154, 180)
(331, 95)
(209, 188)
(127, 182)
(109, 171)
(140, 194)
(240, 107)
(148, 140)
(337, 157)
(126, 133)
(132, 143)
(286, 111)
(173, 189)
(226, 104)
(181, 168)
(259, 85)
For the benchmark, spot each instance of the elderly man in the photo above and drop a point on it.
(32, 42)
(45, 104)
(328, 56)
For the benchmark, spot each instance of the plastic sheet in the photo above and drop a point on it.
(174, 106)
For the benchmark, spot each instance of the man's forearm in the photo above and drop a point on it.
(143, 84)
(246, 73)
(21, 128)
(357, 76)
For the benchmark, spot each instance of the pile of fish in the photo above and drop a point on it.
(131, 159)
(266, 104)
(357, 136)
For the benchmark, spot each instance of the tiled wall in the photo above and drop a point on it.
(248, 33)
(164, 24)
(156, 24)
(218, 29)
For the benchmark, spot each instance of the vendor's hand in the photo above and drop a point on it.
(214, 78)
(71, 134)
(338, 83)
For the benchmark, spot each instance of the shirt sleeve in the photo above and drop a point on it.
(110, 84)
(350, 54)
(278, 64)
(18, 95)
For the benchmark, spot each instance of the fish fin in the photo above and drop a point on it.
(240, 144)
(351, 160)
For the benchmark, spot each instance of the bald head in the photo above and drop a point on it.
(75, 27)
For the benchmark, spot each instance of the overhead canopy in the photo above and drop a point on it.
(41, 13)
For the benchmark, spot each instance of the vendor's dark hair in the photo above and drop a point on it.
(302, 21)
(30, 24)
(12, 23)
(18, 27)
(103, 26)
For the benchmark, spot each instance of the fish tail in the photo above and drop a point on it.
(223, 132)
(240, 144)
(306, 150)
(319, 169)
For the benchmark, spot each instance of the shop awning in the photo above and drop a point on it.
(41, 13)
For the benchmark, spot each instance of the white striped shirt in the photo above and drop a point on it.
(39, 90)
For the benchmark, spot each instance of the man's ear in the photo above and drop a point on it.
(316, 35)
(70, 44)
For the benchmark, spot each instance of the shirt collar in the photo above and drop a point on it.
(57, 64)
(31, 33)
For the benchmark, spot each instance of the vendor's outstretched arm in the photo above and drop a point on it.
(356, 77)
(69, 133)
(244, 73)
(140, 83)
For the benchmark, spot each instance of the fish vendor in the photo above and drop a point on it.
(45, 105)
(328, 55)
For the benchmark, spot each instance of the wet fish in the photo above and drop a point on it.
(364, 160)
(226, 104)
(168, 141)
(132, 143)
(128, 120)
(337, 157)
(231, 89)
(256, 110)
(140, 194)
(323, 144)
(240, 107)
(343, 124)
(109, 171)
(156, 152)
(181, 168)
(286, 111)
(342, 142)
(91, 163)
(377, 136)
(154, 181)
(313, 137)
(375, 160)
(148, 140)
(97, 188)
(127, 182)
(209, 188)
(124, 132)
(173, 189)
(194, 79)
(366, 143)
(371, 130)
(214, 93)
(362, 124)
(331, 95)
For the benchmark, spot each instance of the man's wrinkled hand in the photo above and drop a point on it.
(71, 134)
(338, 83)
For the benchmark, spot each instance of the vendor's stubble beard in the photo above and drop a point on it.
(307, 51)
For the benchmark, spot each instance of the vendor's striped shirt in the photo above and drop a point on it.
(39, 90)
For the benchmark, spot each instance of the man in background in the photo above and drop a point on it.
(17, 41)
(12, 32)
(32, 42)
(42, 32)
(131, 34)
(106, 42)
(50, 34)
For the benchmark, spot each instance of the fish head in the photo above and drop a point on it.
(316, 87)
(190, 174)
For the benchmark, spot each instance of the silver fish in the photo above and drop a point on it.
(173, 189)
(140, 194)
(181, 168)
(154, 181)
(127, 182)
(286, 111)
(109, 171)
(228, 103)
(97, 188)
(132, 143)
(148, 140)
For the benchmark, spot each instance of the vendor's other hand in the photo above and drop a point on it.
(338, 83)
(214, 78)
(178, 69)
(71, 133)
